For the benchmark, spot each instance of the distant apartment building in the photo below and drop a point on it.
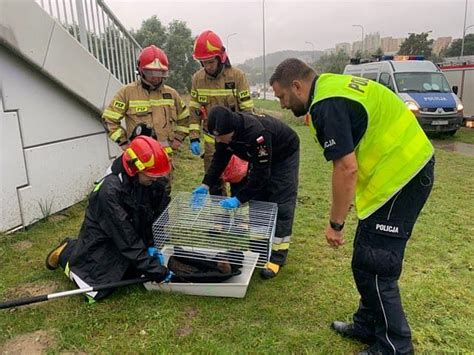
(356, 47)
(372, 42)
(390, 45)
(329, 51)
(344, 46)
(441, 43)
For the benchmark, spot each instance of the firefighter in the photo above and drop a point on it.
(148, 105)
(217, 83)
(381, 156)
(117, 228)
(272, 150)
(149, 101)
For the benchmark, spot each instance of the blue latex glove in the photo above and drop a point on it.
(230, 203)
(168, 276)
(199, 197)
(157, 255)
(200, 190)
(195, 147)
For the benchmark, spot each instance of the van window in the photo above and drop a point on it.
(421, 82)
(386, 79)
(371, 76)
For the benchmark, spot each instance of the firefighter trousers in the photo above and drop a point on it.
(379, 248)
(282, 189)
(220, 188)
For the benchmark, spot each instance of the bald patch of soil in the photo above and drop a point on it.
(23, 245)
(29, 344)
(186, 329)
(31, 289)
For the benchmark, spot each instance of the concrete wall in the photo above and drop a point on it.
(52, 144)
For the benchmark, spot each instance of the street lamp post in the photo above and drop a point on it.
(227, 42)
(464, 35)
(264, 69)
(362, 28)
(312, 52)
(464, 29)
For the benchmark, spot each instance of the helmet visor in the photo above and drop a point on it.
(151, 73)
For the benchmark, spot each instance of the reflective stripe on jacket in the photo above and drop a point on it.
(163, 109)
(229, 89)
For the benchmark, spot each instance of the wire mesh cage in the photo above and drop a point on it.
(199, 223)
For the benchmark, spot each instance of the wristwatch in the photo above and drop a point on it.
(336, 226)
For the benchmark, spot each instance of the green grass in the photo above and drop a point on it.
(464, 135)
(290, 314)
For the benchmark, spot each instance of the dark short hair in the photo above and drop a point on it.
(291, 69)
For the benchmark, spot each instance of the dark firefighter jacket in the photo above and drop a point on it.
(116, 230)
(259, 139)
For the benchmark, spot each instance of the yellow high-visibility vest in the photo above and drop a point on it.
(393, 149)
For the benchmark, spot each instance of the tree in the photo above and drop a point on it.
(332, 63)
(151, 32)
(179, 49)
(454, 50)
(177, 41)
(417, 44)
(378, 53)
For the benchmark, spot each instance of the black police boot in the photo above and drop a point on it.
(347, 331)
(373, 350)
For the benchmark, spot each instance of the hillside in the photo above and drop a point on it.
(253, 67)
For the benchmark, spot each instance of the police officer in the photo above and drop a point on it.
(150, 102)
(381, 156)
(218, 83)
(272, 150)
(115, 241)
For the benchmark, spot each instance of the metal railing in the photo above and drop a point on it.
(93, 24)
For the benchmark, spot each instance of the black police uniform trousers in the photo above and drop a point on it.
(282, 189)
(379, 247)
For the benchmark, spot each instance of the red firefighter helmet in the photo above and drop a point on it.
(146, 155)
(208, 45)
(152, 61)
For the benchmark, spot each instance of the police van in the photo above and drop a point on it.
(421, 85)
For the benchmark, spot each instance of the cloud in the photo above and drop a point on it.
(289, 24)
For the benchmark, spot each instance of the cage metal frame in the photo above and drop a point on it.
(203, 225)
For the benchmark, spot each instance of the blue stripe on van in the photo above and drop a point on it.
(433, 99)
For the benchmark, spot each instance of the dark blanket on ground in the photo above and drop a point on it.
(190, 266)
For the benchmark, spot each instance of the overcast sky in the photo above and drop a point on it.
(289, 24)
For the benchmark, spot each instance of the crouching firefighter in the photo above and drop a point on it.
(272, 150)
(117, 229)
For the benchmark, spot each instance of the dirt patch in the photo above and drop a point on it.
(57, 218)
(31, 289)
(29, 344)
(276, 114)
(23, 245)
(72, 353)
(186, 329)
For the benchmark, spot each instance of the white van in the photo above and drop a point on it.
(421, 85)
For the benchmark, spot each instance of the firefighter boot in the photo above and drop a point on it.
(52, 260)
(270, 270)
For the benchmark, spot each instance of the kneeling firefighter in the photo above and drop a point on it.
(272, 150)
(117, 228)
